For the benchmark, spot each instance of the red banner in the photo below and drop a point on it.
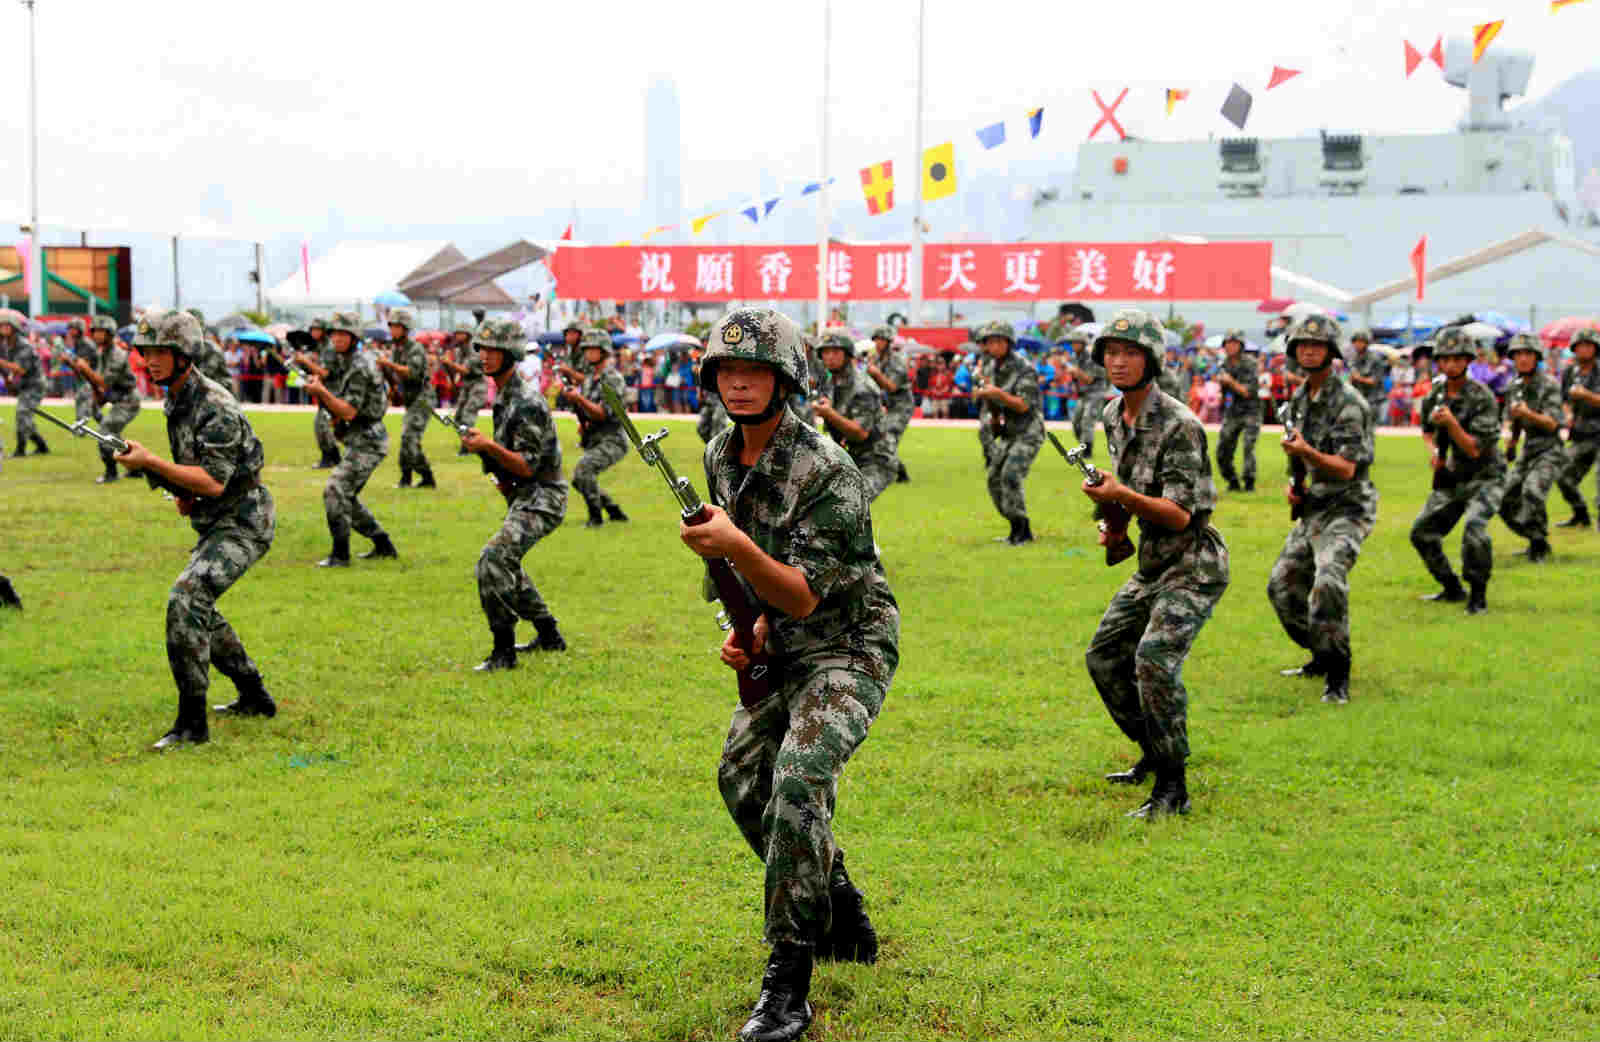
(950, 271)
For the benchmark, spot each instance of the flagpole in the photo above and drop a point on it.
(822, 174)
(36, 289)
(916, 208)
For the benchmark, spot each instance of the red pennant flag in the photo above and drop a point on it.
(305, 262)
(1482, 36)
(567, 235)
(1281, 75)
(1437, 54)
(1413, 59)
(1419, 263)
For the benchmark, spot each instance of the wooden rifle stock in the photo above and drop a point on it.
(1297, 474)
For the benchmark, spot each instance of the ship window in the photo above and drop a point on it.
(1241, 155)
(1341, 152)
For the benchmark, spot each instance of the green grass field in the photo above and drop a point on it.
(412, 850)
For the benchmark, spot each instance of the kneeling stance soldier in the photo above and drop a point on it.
(1461, 427)
(1163, 478)
(853, 410)
(1533, 405)
(599, 432)
(357, 402)
(792, 516)
(1330, 448)
(524, 457)
(215, 474)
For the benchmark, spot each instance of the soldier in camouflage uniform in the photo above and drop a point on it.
(1580, 387)
(24, 373)
(791, 514)
(214, 473)
(572, 347)
(713, 417)
(1333, 448)
(1461, 427)
(1533, 404)
(600, 432)
(853, 414)
(473, 393)
(1010, 424)
(1369, 370)
(524, 456)
(1241, 410)
(1161, 476)
(111, 384)
(211, 361)
(315, 353)
(889, 368)
(1092, 389)
(357, 401)
(408, 365)
(79, 348)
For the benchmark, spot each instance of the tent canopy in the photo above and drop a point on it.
(356, 270)
(457, 284)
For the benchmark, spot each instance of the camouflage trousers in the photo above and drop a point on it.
(340, 497)
(779, 778)
(599, 456)
(198, 637)
(1090, 407)
(322, 429)
(879, 473)
(83, 403)
(1474, 503)
(1310, 583)
(117, 416)
(895, 422)
(1136, 655)
(504, 589)
(28, 403)
(473, 399)
(1008, 461)
(1580, 456)
(1527, 488)
(1232, 428)
(411, 431)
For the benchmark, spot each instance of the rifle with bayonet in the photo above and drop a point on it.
(1111, 518)
(1297, 470)
(738, 612)
(81, 429)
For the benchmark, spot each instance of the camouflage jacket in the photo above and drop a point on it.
(805, 504)
(414, 357)
(1243, 406)
(897, 370)
(121, 384)
(857, 398)
(206, 428)
(24, 354)
(214, 364)
(1543, 395)
(1013, 375)
(523, 423)
(1338, 422)
(358, 383)
(1585, 417)
(474, 365)
(1098, 383)
(1479, 415)
(1371, 366)
(608, 428)
(1167, 380)
(83, 348)
(1163, 454)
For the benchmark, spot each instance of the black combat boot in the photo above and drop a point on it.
(1022, 534)
(504, 655)
(903, 477)
(8, 595)
(190, 726)
(549, 638)
(1233, 482)
(596, 518)
(39, 447)
(1538, 550)
(253, 699)
(1312, 669)
(615, 513)
(850, 936)
(405, 478)
(427, 477)
(1579, 518)
(1478, 603)
(1170, 795)
(1249, 484)
(109, 476)
(1011, 536)
(382, 547)
(1337, 690)
(1451, 594)
(22, 447)
(1136, 774)
(782, 1013)
(339, 556)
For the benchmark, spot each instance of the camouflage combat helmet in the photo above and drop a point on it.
(1587, 336)
(199, 316)
(1452, 342)
(77, 326)
(596, 338)
(572, 327)
(838, 340)
(105, 322)
(757, 335)
(1526, 342)
(1075, 335)
(501, 334)
(1361, 333)
(178, 331)
(403, 317)
(995, 328)
(467, 326)
(317, 323)
(1236, 334)
(1320, 328)
(344, 322)
(1135, 327)
(883, 333)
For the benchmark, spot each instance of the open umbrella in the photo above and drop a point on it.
(555, 336)
(664, 341)
(378, 333)
(392, 298)
(1561, 330)
(252, 336)
(1502, 320)
(1216, 339)
(279, 329)
(1482, 331)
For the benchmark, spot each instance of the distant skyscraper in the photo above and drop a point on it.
(663, 154)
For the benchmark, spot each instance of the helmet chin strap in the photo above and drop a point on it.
(755, 419)
(180, 364)
(1327, 356)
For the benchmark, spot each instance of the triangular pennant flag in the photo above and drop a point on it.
(816, 186)
(1556, 5)
(1281, 75)
(1035, 121)
(992, 136)
(1419, 262)
(700, 222)
(1236, 109)
(1174, 95)
(753, 212)
(1413, 59)
(567, 235)
(1437, 54)
(1482, 36)
(768, 206)
(305, 262)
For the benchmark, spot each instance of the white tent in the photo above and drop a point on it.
(354, 271)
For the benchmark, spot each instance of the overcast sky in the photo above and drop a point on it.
(291, 115)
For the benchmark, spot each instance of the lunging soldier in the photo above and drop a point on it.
(1533, 405)
(853, 411)
(600, 433)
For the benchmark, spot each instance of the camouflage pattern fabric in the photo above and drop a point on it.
(857, 398)
(713, 416)
(474, 392)
(84, 405)
(1091, 397)
(899, 404)
(1585, 417)
(214, 364)
(121, 398)
(29, 388)
(366, 443)
(1478, 488)
(1136, 655)
(603, 441)
(1014, 438)
(1167, 381)
(805, 504)
(536, 506)
(206, 428)
(1372, 366)
(1583, 443)
(322, 425)
(1540, 463)
(1310, 583)
(417, 393)
(1241, 416)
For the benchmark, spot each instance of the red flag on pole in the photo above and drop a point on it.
(26, 251)
(1437, 54)
(1281, 75)
(305, 263)
(1413, 59)
(1419, 263)
(566, 236)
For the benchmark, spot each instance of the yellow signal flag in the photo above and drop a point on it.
(939, 171)
(699, 223)
(1482, 36)
(1556, 5)
(1175, 95)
